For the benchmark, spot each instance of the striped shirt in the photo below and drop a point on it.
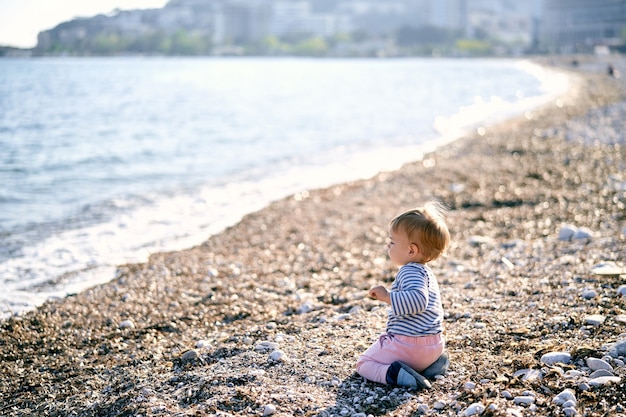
(416, 308)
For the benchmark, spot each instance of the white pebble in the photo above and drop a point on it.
(583, 233)
(567, 232)
(594, 319)
(621, 290)
(565, 396)
(269, 410)
(594, 364)
(470, 386)
(127, 324)
(570, 411)
(618, 348)
(203, 344)
(439, 405)
(422, 408)
(524, 400)
(270, 325)
(507, 395)
(476, 408)
(604, 380)
(278, 356)
(305, 308)
(607, 269)
(556, 357)
(573, 373)
(529, 374)
(266, 345)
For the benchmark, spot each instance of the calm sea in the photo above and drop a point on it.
(104, 161)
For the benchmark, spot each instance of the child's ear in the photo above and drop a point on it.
(413, 249)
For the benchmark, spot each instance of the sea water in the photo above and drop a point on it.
(104, 161)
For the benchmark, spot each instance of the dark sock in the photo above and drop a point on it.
(392, 373)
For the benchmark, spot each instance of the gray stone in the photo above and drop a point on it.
(599, 373)
(476, 408)
(594, 364)
(604, 380)
(565, 396)
(594, 319)
(556, 357)
(567, 232)
(524, 400)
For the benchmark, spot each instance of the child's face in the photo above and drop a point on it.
(399, 249)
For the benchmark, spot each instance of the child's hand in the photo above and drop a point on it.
(379, 293)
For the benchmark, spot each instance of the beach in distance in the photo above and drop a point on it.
(268, 316)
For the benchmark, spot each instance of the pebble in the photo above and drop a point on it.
(594, 319)
(565, 396)
(573, 373)
(618, 349)
(595, 364)
(556, 357)
(189, 356)
(524, 400)
(470, 386)
(567, 232)
(266, 345)
(583, 233)
(269, 410)
(278, 356)
(439, 405)
(476, 408)
(127, 324)
(305, 308)
(621, 290)
(589, 294)
(599, 373)
(529, 374)
(507, 395)
(570, 411)
(607, 269)
(604, 380)
(203, 344)
(476, 241)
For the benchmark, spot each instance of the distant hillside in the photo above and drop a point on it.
(9, 51)
(315, 27)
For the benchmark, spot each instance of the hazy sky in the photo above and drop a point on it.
(22, 20)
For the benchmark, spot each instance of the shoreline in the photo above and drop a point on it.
(72, 258)
(193, 332)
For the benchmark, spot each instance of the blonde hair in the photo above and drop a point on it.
(426, 227)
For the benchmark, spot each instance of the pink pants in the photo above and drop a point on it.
(417, 352)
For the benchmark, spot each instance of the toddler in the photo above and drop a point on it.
(413, 341)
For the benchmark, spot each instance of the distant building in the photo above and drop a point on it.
(448, 14)
(582, 25)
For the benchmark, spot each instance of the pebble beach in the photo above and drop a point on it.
(269, 316)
